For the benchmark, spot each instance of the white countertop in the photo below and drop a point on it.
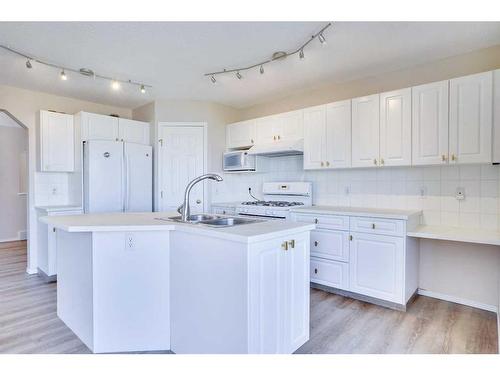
(148, 221)
(359, 211)
(59, 208)
(441, 232)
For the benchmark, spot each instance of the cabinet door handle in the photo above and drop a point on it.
(116, 139)
(443, 157)
(327, 163)
(54, 230)
(315, 221)
(284, 245)
(375, 161)
(279, 137)
(373, 225)
(251, 140)
(316, 243)
(350, 237)
(453, 157)
(292, 244)
(274, 137)
(382, 162)
(322, 164)
(315, 270)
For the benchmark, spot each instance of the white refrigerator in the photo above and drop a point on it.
(117, 177)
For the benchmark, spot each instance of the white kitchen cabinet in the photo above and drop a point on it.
(314, 137)
(395, 128)
(377, 266)
(327, 136)
(496, 116)
(240, 135)
(330, 244)
(99, 127)
(430, 123)
(133, 131)
(330, 273)
(281, 127)
(279, 311)
(56, 143)
(366, 131)
(471, 118)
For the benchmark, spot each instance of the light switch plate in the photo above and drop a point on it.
(460, 193)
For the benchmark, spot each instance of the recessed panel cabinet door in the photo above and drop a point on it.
(99, 127)
(267, 129)
(395, 127)
(291, 125)
(365, 131)
(471, 118)
(56, 142)
(240, 134)
(376, 266)
(496, 116)
(430, 123)
(314, 137)
(133, 131)
(338, 134)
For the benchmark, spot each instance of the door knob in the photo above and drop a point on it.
(316, 243)
(315, 270)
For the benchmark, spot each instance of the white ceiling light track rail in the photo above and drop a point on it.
(276, 56)
(115, 83)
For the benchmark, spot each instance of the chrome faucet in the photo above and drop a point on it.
(183, 209)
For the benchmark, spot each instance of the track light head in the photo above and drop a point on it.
(261, 69)
(322, 38)
(301, 53)
(238, 75)
(143, 89)
(63, 75)
(28, 64)
(212, 78)
(115, 85)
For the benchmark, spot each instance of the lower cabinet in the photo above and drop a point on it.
(376, 266)
(279, 295)
(370, 257)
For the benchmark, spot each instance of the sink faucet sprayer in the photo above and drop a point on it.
(183, 209)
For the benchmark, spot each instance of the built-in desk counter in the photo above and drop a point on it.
(446, 233)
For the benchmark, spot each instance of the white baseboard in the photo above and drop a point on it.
(32, 271)
(9, 239)
(461, 301)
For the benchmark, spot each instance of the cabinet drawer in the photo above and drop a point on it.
(330, 244)
(325, 221)
(377, 226)
(330, 273)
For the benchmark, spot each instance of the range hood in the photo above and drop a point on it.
(281, 148)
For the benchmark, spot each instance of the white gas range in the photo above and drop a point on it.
(278, 199)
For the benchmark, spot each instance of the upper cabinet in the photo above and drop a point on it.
(110, 128)
(56, 145)
(94, 126)
(133, 131)
(395, 127)
(430, 123)
(471, 118)
(496, 116)
(327, 136)
(366, 131)
(240, 135)
(280, 127)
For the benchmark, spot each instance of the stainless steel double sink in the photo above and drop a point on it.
(212, 220)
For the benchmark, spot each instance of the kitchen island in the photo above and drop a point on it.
(138, 282)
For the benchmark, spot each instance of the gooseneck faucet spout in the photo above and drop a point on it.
(184, 209)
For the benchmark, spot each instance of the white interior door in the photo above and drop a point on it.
(181, 159)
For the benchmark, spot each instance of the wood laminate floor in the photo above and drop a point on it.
(29, 324)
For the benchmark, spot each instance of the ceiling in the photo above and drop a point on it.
(172, 56)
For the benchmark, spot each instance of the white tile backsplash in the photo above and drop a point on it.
(389, 187)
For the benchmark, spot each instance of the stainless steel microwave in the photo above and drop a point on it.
(238, 161)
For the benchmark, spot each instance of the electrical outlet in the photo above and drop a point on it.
(129, 241)
(460, 193)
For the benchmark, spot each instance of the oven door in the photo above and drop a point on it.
(238, 161)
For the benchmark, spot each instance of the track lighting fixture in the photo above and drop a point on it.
(321, 38)
(280, 55)
(115, 83)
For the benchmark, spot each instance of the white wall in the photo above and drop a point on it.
(24, 105)
(13, 144)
